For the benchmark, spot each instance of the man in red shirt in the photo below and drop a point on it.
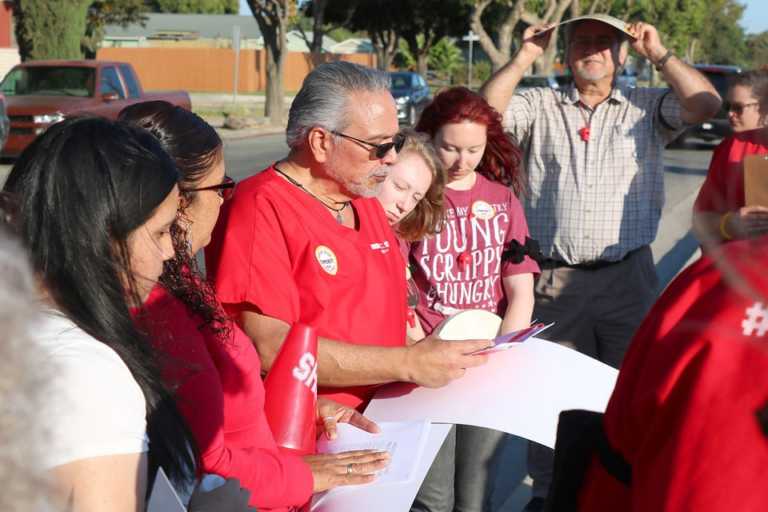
(306, 241)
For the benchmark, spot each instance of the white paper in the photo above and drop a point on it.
(164, 497)
(378, 497)
(403, 440)
(520, 391)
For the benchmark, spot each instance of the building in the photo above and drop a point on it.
(9, 53)
(198, 30)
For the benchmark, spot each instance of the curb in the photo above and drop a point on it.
(227, 134)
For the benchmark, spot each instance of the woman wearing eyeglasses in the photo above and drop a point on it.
(720, 213)
(464, 267)
(210, 362)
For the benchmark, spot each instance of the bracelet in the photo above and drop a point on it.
(723, 221)
(660, 63)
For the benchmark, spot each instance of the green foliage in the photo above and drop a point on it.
(404, 58)
(419, 23)
(723, 40)
(481, 72)
(195, 6)
(50, 30)
(341, 34)
(109, 12)
(445, 57)
(701, 30)
(678, 21)
(757, 45)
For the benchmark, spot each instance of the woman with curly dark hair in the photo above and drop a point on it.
(465, 266)
(210, 361)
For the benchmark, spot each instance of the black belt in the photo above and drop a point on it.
(550, 263)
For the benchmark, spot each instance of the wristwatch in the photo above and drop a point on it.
(659, 64)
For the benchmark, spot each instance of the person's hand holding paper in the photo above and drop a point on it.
(748, 222)
(435, 363)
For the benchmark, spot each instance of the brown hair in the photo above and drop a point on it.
(425, 219)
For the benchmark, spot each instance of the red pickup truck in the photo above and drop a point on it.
(40, 93)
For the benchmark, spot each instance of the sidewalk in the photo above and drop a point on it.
(213, 106)
(208, 99)
(246, 133)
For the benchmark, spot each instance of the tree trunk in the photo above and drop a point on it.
(272, 18)
(275, 93)
(500, 54)
(690, 56)
(420, 52)
(385, 44)
(545, 65)
(422, 63)
(318, 26)
(554, 14)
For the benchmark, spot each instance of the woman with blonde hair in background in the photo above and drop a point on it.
(412, 198)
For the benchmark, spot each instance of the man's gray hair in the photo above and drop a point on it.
(322, 100)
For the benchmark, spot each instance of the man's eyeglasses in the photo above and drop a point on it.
(738, 108)
(224, 189)
(380, 150)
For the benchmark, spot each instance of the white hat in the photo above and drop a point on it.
(616, 23)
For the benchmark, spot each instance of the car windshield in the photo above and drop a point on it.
(719, 80)
(49, 81)
(400, 81)
(534, 81)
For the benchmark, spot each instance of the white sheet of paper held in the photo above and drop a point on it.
(521, 391)
(395, 496)
(403, 440)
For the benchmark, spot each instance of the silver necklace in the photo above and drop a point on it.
(337, 211)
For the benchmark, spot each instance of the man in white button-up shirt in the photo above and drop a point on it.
(594, 163)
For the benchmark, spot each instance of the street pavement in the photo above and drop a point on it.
(674, 248)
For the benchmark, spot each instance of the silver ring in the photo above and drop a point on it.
(349, 469)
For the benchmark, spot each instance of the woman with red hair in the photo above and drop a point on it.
(478, 260)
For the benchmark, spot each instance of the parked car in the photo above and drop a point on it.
(626, 78)
(717, 127)
(5, 123)
(530, 81)
(41, 93)
(411, 94)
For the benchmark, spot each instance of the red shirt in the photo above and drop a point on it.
(278, 251)
(220, 393)
(723, 190)
(684, 410)
(478, 222)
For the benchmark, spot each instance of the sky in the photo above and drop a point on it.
(754, 21)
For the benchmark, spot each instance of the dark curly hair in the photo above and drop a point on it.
(502, 159)
(196, 148)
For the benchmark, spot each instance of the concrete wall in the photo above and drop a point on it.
(212, 69)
